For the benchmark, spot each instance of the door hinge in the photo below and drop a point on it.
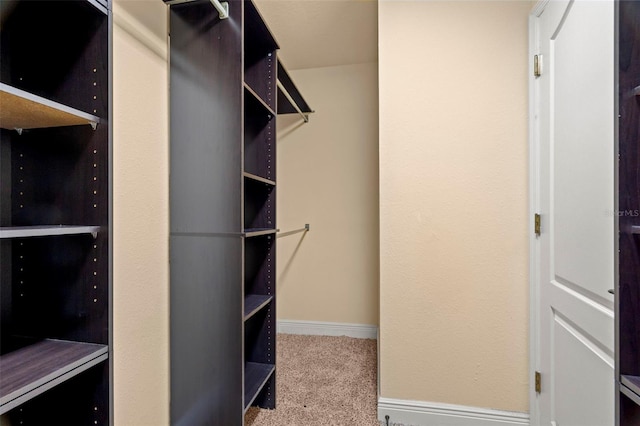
(537, 65)
(538, 381)
(537, 224)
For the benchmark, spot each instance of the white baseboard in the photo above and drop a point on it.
(419, 413)
(318, 328)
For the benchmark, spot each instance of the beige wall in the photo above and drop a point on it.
(140, 214)
(327, 174)
(453, 202)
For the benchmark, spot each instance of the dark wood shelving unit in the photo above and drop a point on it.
(224, 100)
(55, 239)
(259, 208)
(627, 292)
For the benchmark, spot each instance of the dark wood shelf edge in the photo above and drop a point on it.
(259, 178)
(72, 359)
(284, 106)
(101, 5)
(253, 303)
(631, 382)
(630, 389)
(256, 232)
(259, 99)
(10, 232)
(256, 376)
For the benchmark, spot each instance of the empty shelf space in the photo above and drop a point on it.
(253, 303)
(46, 231)
(258, 178)
(256, 232)
(24, 110)
(253, 95)
(258, 36)
(34, 369)
(255, 376)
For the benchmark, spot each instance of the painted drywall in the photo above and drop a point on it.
(327, 174)
(453, 202)
(315, 34)
(140, 215)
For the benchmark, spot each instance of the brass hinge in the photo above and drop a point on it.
(537, 65)
(537, 224)
(538, 382)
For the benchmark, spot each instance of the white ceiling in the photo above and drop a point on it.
(322, 33)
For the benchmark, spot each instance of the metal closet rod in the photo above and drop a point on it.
(295, 231)
(295, 105)
(222, 8)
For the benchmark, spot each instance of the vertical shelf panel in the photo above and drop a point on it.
(205, 199)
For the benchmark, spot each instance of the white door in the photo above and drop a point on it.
(574, 191)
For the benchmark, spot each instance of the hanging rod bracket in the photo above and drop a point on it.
(221, 7)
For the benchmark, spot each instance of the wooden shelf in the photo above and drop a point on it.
(34, 369)
(253, 95)
(259, 178)
(256, 232)
(24, 110)
(255, 377)
(46, 231)
(632, 383)
(254, 303)
(630, 386)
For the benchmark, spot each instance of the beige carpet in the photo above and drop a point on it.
(322, 380)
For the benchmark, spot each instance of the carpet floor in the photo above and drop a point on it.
(322, 380)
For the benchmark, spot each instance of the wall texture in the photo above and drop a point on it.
(453, 202)
(327, 174)
(140, 214)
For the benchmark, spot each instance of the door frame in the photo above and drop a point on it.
(534, 203)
